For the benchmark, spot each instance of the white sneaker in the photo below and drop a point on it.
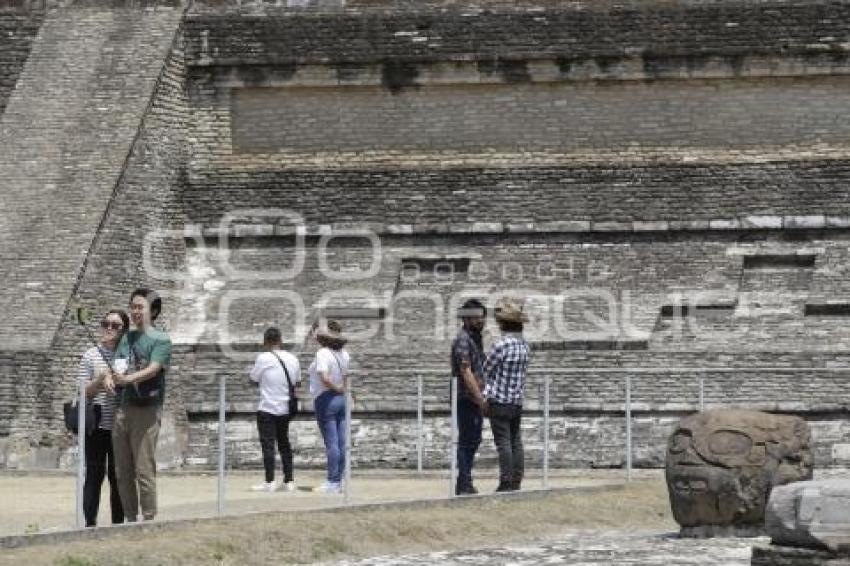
(268, 486)
(328, 487)
(289, 486)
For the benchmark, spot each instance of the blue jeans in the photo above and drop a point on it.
(469, 421)
(330, 414)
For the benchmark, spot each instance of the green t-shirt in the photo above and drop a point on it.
(140, 349)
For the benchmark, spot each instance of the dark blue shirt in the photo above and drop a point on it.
(467, 350)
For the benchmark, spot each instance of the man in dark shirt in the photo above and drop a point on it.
(467, 364)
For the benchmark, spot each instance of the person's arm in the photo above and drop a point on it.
(490, 364)
(297, 375)
(323, 368)
(256, 371)
(140, 376)
(463, 353)
(471, 384)
(160, 358)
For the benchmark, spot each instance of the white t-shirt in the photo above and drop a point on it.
(333, 362)
(274, 388)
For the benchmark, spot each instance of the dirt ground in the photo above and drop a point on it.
(296, 536)
(45, 502)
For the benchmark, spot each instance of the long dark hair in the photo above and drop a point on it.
(328, 341)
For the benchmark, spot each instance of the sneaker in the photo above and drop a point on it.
(289, 486)
(268, 486)
(329, 487)
(465, 490)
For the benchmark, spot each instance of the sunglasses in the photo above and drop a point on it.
(106, 325)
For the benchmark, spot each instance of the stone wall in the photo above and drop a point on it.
(18, 28)
(560, 117)
(687, 164)
(752, 348)
(223, 33)
(85, 175)
(576, 440)
(680, 194)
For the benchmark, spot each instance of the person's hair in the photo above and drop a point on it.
(151, 297)
(125, 320)
(272, 335)
(509, 326)
(472, 305)
(329, 342)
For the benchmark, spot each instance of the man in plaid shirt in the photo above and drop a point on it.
(504, 373)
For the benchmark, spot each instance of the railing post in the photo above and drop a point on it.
(222, 433)
(454, 440)
(628, 427)
(701, 393)
(419, 424)
(546, 431)
(346, 491)
(81, 452)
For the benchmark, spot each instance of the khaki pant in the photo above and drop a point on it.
(134, 434)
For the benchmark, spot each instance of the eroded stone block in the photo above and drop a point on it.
(811, 514)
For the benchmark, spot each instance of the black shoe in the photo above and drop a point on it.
(503, 487)
(468, 489)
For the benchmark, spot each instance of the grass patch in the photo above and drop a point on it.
(301, 537)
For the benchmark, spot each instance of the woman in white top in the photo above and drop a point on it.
(274, 372)
(100, 459)
(328, 382)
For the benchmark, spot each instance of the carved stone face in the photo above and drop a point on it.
(722, 464)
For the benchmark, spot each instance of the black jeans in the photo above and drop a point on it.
(275, 428)
(469, 421)
(505, 423)
(100, 463)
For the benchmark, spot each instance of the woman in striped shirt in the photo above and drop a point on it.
(94, 369)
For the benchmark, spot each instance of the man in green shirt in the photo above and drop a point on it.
(141, 360)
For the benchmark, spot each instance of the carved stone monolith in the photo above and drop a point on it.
(722, 465)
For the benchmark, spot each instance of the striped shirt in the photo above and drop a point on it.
(505, 369)
(91, 363)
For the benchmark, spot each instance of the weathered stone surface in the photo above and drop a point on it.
(811, 514)
(722, 465)
(772, 555)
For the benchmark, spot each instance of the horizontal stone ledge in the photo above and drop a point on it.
(747, 223)
(168, 525)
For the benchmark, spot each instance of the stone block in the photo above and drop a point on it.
(650, 226)
(772, 555)
(838, 221)
(612, 226)
(563, 226)
(770, 222)
(802, 222)
(811, 514)
(724, 224)
(487, 227)
(399, 228)
(722, 464)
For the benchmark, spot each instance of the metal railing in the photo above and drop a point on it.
(453, 442)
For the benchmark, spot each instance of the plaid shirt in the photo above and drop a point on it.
(505, 369)
(467, 350)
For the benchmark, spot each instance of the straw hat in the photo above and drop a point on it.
(510, 310)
